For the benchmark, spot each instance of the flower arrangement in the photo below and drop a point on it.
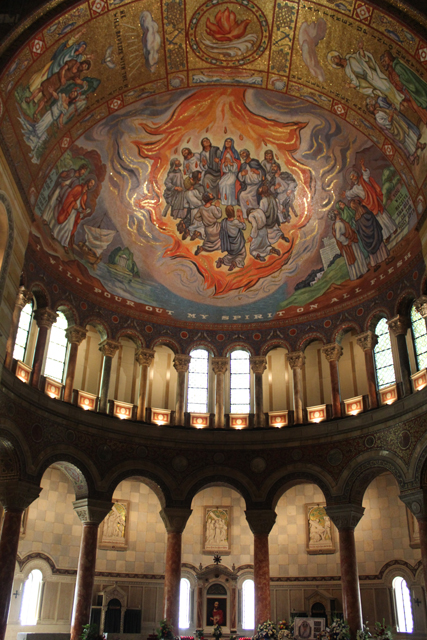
(91, 632)
(165, 631)
(364, 633)
(285, 630)
(200, 634)
(339, 630)
(266, 631)
(217, 632)
(382, 631)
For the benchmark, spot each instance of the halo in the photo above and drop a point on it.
(331, 55)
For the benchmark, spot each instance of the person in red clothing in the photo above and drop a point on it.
(72, 212)
(217, 616)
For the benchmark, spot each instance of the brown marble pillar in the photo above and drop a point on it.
(261, 522)
(75, 336)
(259, 365)
(333, 353)
(24, 297)
(296, 361)
(416, 501)
(175, 520)
(346, 517)
(91, 513)
(367, 342)
(15, 497)
(45, 318)
(399, 327)
(144, 358)
(109, 349)
(219, 367)
(181, 363)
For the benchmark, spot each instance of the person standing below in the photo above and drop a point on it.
(347, 241)
(267, 163)
(174, 192)
(269, 205)
(232, 240)
(209, 163)
(193, 201)
(209, 215)
(371, 234)
(250, 176)
(191, 163)
(230, 165)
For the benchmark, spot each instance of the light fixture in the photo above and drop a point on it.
(23, 372)
(239, 420)
(419, 379)
(160, 416)
(278, 419)
(316, 414)
(388, 395)
(353, 406)
(122, 410)
(86, 401)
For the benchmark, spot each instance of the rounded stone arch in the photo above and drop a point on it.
(309, 338)
(203, 344)
(343, 329)
(69, 312)
(40, 295)
(74, 469)
(418, 464)
(275, 343)
(133, 335)
(210, 477)
(397, 568)
(374, 317)
(7, 232)
(166, 342)
(292, 479)
(238, 346)
(152, 479)
(100, 326)
(404, 303)
(10, 462)
(359, 476)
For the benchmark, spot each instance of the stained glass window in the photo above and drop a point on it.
(23, 332)
(383, 356)
(402, 602)
(240, 381)
(31, 598)
(248, 604)
(420, 338)
(184, 604)
(198, 382)
(57, 351)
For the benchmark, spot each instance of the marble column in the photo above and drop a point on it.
(15, 497)
(75, 336)
(175, 520)
(296, 361)
(144, 358)
(219, 367)
(416, 501)
(91, 513)
(24, 297)
(399, 327)
(261, 522)
(181, 363)
(346, 517)
(367, 342)
(333, 353)
(108, 348)
(258, 366)
(45, 318)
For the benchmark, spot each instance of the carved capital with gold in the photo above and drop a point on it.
(45, 317)
(332, 352)
(421, 306)
(416, 501)
(345, 516)
(399, 325)
(258, 364)
(76, 334)
(260, 521)
(144, 357)
(175, 518)
(92, 511)
(367, 341)
(23, 298)
(17, 495)
(181, 362)
(219, 365)
(109, 348)
(296, 359)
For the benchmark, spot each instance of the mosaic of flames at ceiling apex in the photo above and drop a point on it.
(221, 161)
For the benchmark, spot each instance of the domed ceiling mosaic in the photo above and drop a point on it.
(221, 162)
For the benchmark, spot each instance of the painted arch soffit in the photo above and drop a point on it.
(221, 161)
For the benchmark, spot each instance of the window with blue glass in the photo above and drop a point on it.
(420, 338)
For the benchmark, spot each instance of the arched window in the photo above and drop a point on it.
(402, 603)
(240, 380)
(248, 604)
(420, 338)
(384, 366)
(31, 598)
(184, 604)
(57, 350)
(198, 380)
(23, 332)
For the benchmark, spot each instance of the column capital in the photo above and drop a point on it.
(399, 325)
(181, 362)
(75, 334)
(332, 351)
(109, 347)
(296, 359)
(45, 317)
(144, 356)
(17, 495)
(345, 516)
(175, 518)
(219, 365)
(367, 341)
(24, 296)
(92, 511)
(260, 521)
(258, 364)
(416, 501)
(421, 306)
